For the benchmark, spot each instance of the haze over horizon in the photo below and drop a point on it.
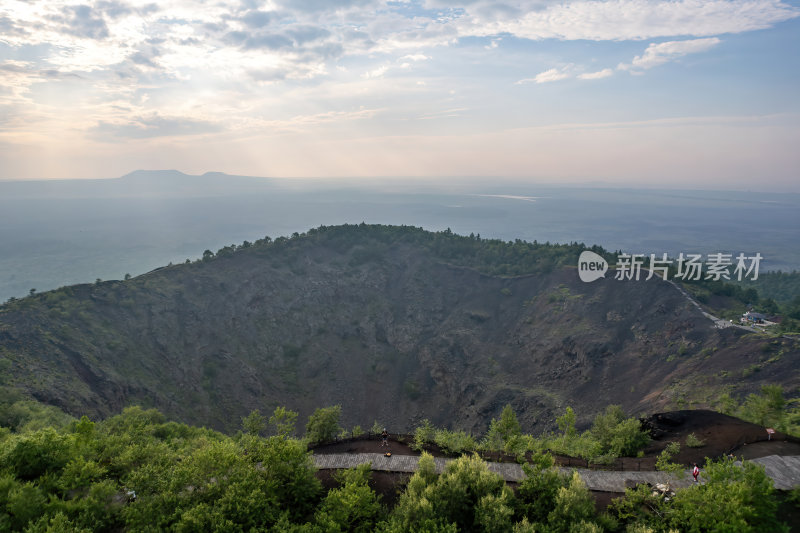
(635, 93)
(409, 184)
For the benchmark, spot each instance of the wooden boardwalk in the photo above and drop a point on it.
(784, 471)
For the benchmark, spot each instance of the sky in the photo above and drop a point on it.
(678, 93)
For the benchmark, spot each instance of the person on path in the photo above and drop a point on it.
(385, 437)
(695, 471)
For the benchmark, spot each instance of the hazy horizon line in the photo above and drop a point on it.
(430, 180)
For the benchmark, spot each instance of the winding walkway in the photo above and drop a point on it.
(784, 470)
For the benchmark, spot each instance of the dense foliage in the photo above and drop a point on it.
(492, 256)
(612, 435)
(733, 497)
(783, 287)
(139, 472)
(773, 293)
(768, 408)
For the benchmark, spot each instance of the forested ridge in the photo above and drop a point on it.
(397, 322)
(771, 292)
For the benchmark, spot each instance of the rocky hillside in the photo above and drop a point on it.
(395, 324)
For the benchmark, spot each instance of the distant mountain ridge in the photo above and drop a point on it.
(140, 183)
(395, 323)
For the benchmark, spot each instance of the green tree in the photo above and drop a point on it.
(503, 430)
(38, 453)
(574, 507)
(466, 495)
(288, 471)
(616, 434)
(639, 509)
(253, 424)
(726, 404)
(353, 506)
(423, 434)
(536, 494)
(58, 523)
(566, 423)
(734, 498)
(284, 421)
(22, 503)
(323, 424)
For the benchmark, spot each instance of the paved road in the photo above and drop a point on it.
(718, 322)
(784, 471)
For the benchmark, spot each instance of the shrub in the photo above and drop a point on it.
(664, 461)
(424, 434)
(693, 442)
(502, 431)
(454, 442)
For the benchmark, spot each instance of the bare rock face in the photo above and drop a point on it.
(389, 330)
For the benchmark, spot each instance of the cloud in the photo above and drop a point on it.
(317, 6)
(11, 65)
(605, 73)
(8, 27)
(376, 73)
(547, 76)
(114, 9)
(598, 20)
(183, 68)
(305, 33)
(257, 19)
(270, 41)
(153, 126)
(659, 53)
(302, 34)
(83, 21)
(414, 57)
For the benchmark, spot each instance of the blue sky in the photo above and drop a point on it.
(681, 93)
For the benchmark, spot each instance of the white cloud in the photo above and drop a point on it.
(605, 73)
(547, 76)
(659, 53)
(376, 73)
(414, 57)
(626, 19)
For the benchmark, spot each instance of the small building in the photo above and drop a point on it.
(752, 317)
(758, 319)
